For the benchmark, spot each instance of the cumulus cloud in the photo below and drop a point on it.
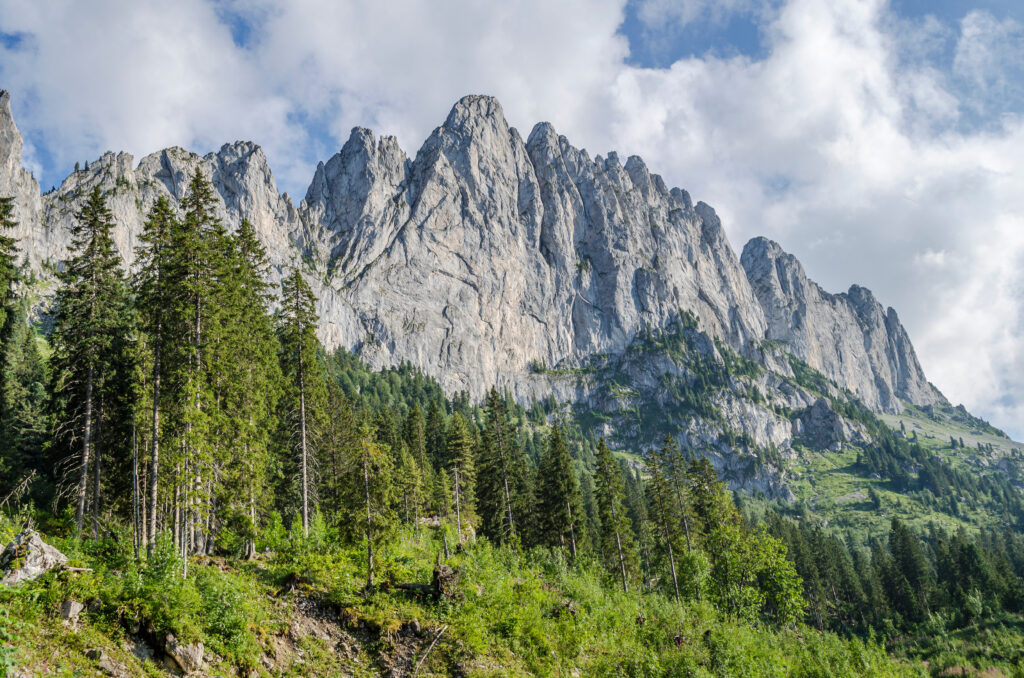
(880, 150)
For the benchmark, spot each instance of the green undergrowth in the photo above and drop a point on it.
(514, 613)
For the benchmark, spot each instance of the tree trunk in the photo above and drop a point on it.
(97, 456)
(504, 483)
(572, 530)
(83, 479)
(251, 550)
(622, 559)
(138, 536)
(176, 510)
(154, 463)
(672, 566)
(458, 505)
(302, 428)
(668, 543)
(369, 524)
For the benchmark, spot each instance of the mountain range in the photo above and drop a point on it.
(490, 259)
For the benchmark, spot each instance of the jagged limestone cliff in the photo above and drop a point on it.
(489, 259)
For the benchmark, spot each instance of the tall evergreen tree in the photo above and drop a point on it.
(23, 396)
(616, 536)
(496, 463)
(370, 494)
(197, 270)
(22, 373)
(434, 430)
(251, 385)
(304, 375)
(462, 458)
(90, 323)
(664, 512)
(153, 297)
(559, 502)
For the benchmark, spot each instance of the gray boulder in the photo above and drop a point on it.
(28, 557)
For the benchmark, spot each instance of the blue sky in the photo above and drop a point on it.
(882, 142)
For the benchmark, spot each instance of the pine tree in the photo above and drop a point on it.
(462, 458)
(251, 386)
(616, 536)
(152, 298)
(371, 492)
(663, 511)
(304, 375)
(89, 328)
(434, 429)
(496, 463)
(559, 503)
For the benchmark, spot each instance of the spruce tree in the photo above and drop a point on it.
(371, 493)
(153, 297)
(434, 430)
(22, 374)
(250, 388)
(304, 376)
(23, 397)
(196, 270)
(616, 536)
(559, 503)
(461, 455)
(496, 463)
(91, 317)
(663, 511)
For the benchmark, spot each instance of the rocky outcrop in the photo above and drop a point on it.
(14, 181)
(28, 557)
(189, 658)
(847, 337)
(820, 427)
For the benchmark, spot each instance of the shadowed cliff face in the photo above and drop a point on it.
(485, 254)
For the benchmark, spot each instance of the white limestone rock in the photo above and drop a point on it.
(847, 337)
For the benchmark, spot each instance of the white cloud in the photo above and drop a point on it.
(847, 142)
(990, 59)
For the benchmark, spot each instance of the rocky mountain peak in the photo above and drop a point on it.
(486, 254)
(847, 337)
(10, 145)
(475, 113)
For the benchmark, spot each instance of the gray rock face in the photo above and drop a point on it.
(28, 557)
(822, 428)
(189, 658)
(488, 253)
(847, 337)
(15, 181)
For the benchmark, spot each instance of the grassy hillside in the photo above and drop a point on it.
(302, 610)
